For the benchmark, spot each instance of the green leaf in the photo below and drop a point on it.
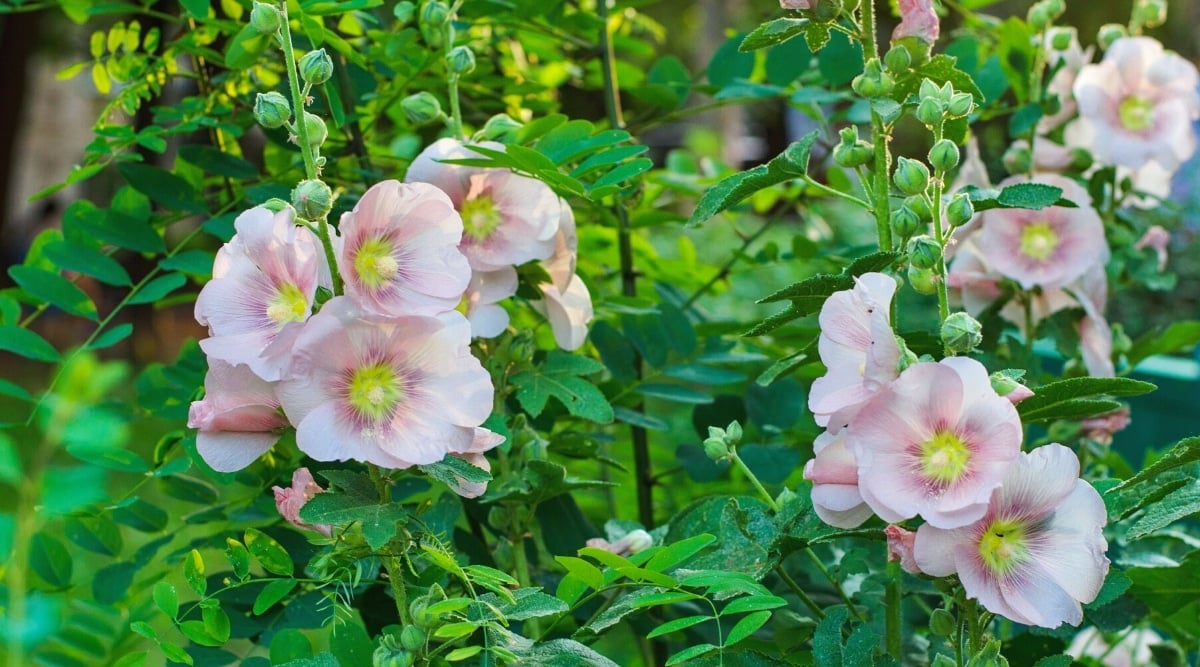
(158, 288)
(808, 295)
(239, 557)
(746, 626)
(704, 374)
(453, 471)
(772, 33)
(1177, 505)
(677, 624)
(560, 376)
(175, 653)
(674, 392)
(215, 161)
(665, 598)
(109, 457)
(83, 221)
(679, 552)
(197, 8)
(791, 163)
(26, 343)
(141, 515)
(690, 653)
(753, 603)
(1074, 409)
(112, 337)
(96, 534)
(1034, 196)
(50, 560)
(1053, 399)
(1184, 452)
(583, 570)
(378, 519)
(540, 481)
(195, 262)
(89, 261)
(198, 632)
(52, 288)
(729, 64)
(193, 572)
(273, 557)
(245, 48)
(1176, 337)
(162, 186)
(166, 598)
(11, 470)
(527, 603)
(272, 593)
(1167, 588)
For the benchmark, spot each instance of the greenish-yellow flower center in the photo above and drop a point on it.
(1004, 545)
(375, 263)
(1038, 241)
(1136, 113)
(289, 305)
(944, 457)
(480, 217)
(374, 391)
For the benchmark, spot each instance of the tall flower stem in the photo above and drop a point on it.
(880, 203)
(940, 233)
(893, 621)
(293, 75)
(395, 567)
(762, 491)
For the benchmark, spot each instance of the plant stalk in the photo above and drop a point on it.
(293, 75)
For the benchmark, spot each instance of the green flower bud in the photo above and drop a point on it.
(272, 110)
(898, 59)
(1018, 159)
(389, 653)
(404, 12)
(960, 210)
(1122, 343)
(1007, 383)
(1150, 13)
(1056, 7)
(499, 128)
(275, 205)
(315, 127)
(918, 49)
(412, 638)
(873, 82)
(931, 111)
(715, 445)
(920, 206)
(733, 433)
(313, 199)
(1109, 33)
(961, 333)
(1039, 16)
(912, 176)
(905, 221)
(826, 11)
(1051, 105)
(924, 252)
(461, 60)
(923, 281)
(929, 89)
(960, 104)
(265, 19)
(499, 517)
(853, 155)
(435, 14)
(1061, 38)
(944, 155)
(422, 108)
(942, 623)
(316, 67)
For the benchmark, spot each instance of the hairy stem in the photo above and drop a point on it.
(893, 622)
(293, 76)
(879, 138)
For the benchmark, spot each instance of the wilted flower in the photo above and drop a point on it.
(917, 19)
(633, 542)
(1140, 102)
(834, 474)
(238, 419)
(400, 251)
(856, 345)
(1102, 427)
(900, 547)
(1037, 553)
(395, 392)
(289, 501)
(264, 282)
(934, 442)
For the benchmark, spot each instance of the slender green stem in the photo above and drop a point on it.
(879, 137)
(737, 460)
(455, 107)
(293, 76)
(804, 597)
(836, 193)
(521, 565)
(330, 255)
(893, 621)
(723, 272)
(393, 562)
(837, 586)
(940, 234)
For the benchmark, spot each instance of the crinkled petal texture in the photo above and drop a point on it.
(238, 419)
(264, 281)
(1139, 102)
(395, 392)
(1038, 552)
(289, 501)
(834, 474)
(856, 345)
(400, 251)
(508, 219)
(917, 19)
(935, 442)
(1047, 248)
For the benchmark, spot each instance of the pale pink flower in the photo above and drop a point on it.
(482, 441)
(834, 474)
(934, 442)
(1156, 238)
(1102, 427)
(900, 547)
(1069, 61)
(1132, 648)
(1140, 101)
(400, 251)
(264, 282)
(483, 296)
(1095, 336)
(976, 285)
(395, 392)
(798, 4)
(508, 219)
(1037, 553)
(917, 19)
(239, 418)
(291, 500)
(1018, 394)
(566, 303)
(1047, 248)
(634, 541)
(856, 345)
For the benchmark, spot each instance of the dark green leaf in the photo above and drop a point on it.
(197, 8)
(453, 471)
(52, 288)
(528, 603)
(141, 515)
(109, 457)
(728, 63)
(111, 583)
(378, 519)
(83, 222)
(560, 376)
(746, 626)
(1176, 337)
(1184, 452)
(1177, 505)
(1034, 196)
(195, 262)
(27, 344)
(1048, 399)
(690, 653)
(272, 593)
(674, 392)
(158, 288)
(217, 162)
(96, 534)
(273, 557)
(677, 624)
(792, 163)
(773, 32)
(162, 186)
(87, 260)
(1167, 588)
(112, 337)
(50, 560)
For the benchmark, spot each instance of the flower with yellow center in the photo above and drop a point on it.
(1136, 113)
(1038, 241)
(289, 305)
(480, 217)
(945, 457)
(1004, 545)
(374, 391)
(375, 264)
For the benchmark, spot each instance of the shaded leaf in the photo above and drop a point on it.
(791, 163)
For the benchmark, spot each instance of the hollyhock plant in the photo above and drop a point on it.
(484, 293)
(917, 19)
(239, 418)
(1069, 62)
(856, 345)
(508, 219)
(400, 251)
(395, 392)
(264, 282)
(1037, 553)
(1138, 104)
(1047, 248)
(834, 474)
(900, 547)
(934, 442)
(289, 501)
(566, 303)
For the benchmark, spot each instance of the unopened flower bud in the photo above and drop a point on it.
(435, 14)
(315, 127)
(944, 155)
(960, 210)
(1109, 33)
(404, 12)
(912, 176)
(897, 59)
(924, 252)
(733, 433)
(826, 10)
(923, 281)
(1081, 159)
(873, 82)
(905, 221)
(316, 67)
(412, 638)
(1039, 16)
(275, 205)
(960, 104)
(461, 60)
(1018, 159)
(1008, 384)
(715, 445)
(264, 18)
(422, 108)
(313, 199)
(1150, 13)
(961, 333)
(637, 540)
(1061, 38)
(853, 155)
(499, 128)
(1056, 7)
(390, 653)
(271, 110)
(942, 623)
(930, 89)
(919, 205)
(931, 111)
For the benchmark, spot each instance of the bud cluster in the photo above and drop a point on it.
(852, 152)
(938, 104)
(720, 443)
